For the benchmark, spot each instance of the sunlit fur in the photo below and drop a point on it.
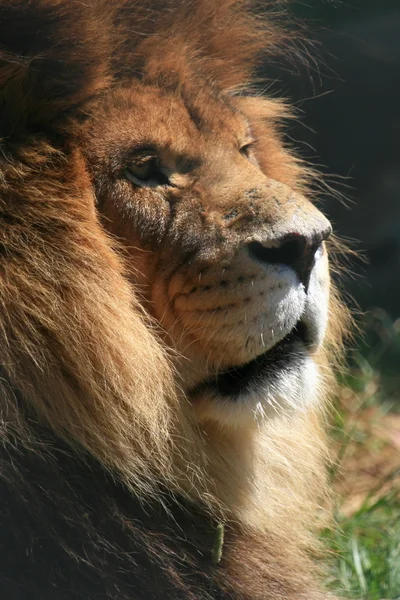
(75, 339)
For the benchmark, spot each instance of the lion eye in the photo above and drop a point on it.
(146, 172)
(246, 149)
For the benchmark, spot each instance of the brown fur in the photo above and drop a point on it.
(82, 338)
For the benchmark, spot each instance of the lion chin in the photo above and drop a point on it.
(165, 346)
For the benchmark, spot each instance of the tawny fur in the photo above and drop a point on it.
(81, 357)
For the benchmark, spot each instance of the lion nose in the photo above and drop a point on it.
(294, 250)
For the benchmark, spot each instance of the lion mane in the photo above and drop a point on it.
(109, 485)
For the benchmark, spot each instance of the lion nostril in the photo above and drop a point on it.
(285, 254)
(294, 250)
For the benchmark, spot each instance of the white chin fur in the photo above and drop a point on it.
(295, 388)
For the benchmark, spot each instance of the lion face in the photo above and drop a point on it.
(227, 252)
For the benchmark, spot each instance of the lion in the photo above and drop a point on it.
(167, 322)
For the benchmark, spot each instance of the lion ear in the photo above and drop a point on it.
(272, 149)
(53, 56)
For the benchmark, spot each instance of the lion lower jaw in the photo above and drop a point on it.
(295, 388)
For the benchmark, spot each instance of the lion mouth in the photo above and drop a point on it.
(237, 380)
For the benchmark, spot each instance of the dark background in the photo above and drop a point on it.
(349, 106)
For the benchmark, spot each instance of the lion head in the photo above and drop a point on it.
(227, 251)
(164, 280)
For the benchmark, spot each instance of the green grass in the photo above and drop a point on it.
(365, 545)
(366, 551)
